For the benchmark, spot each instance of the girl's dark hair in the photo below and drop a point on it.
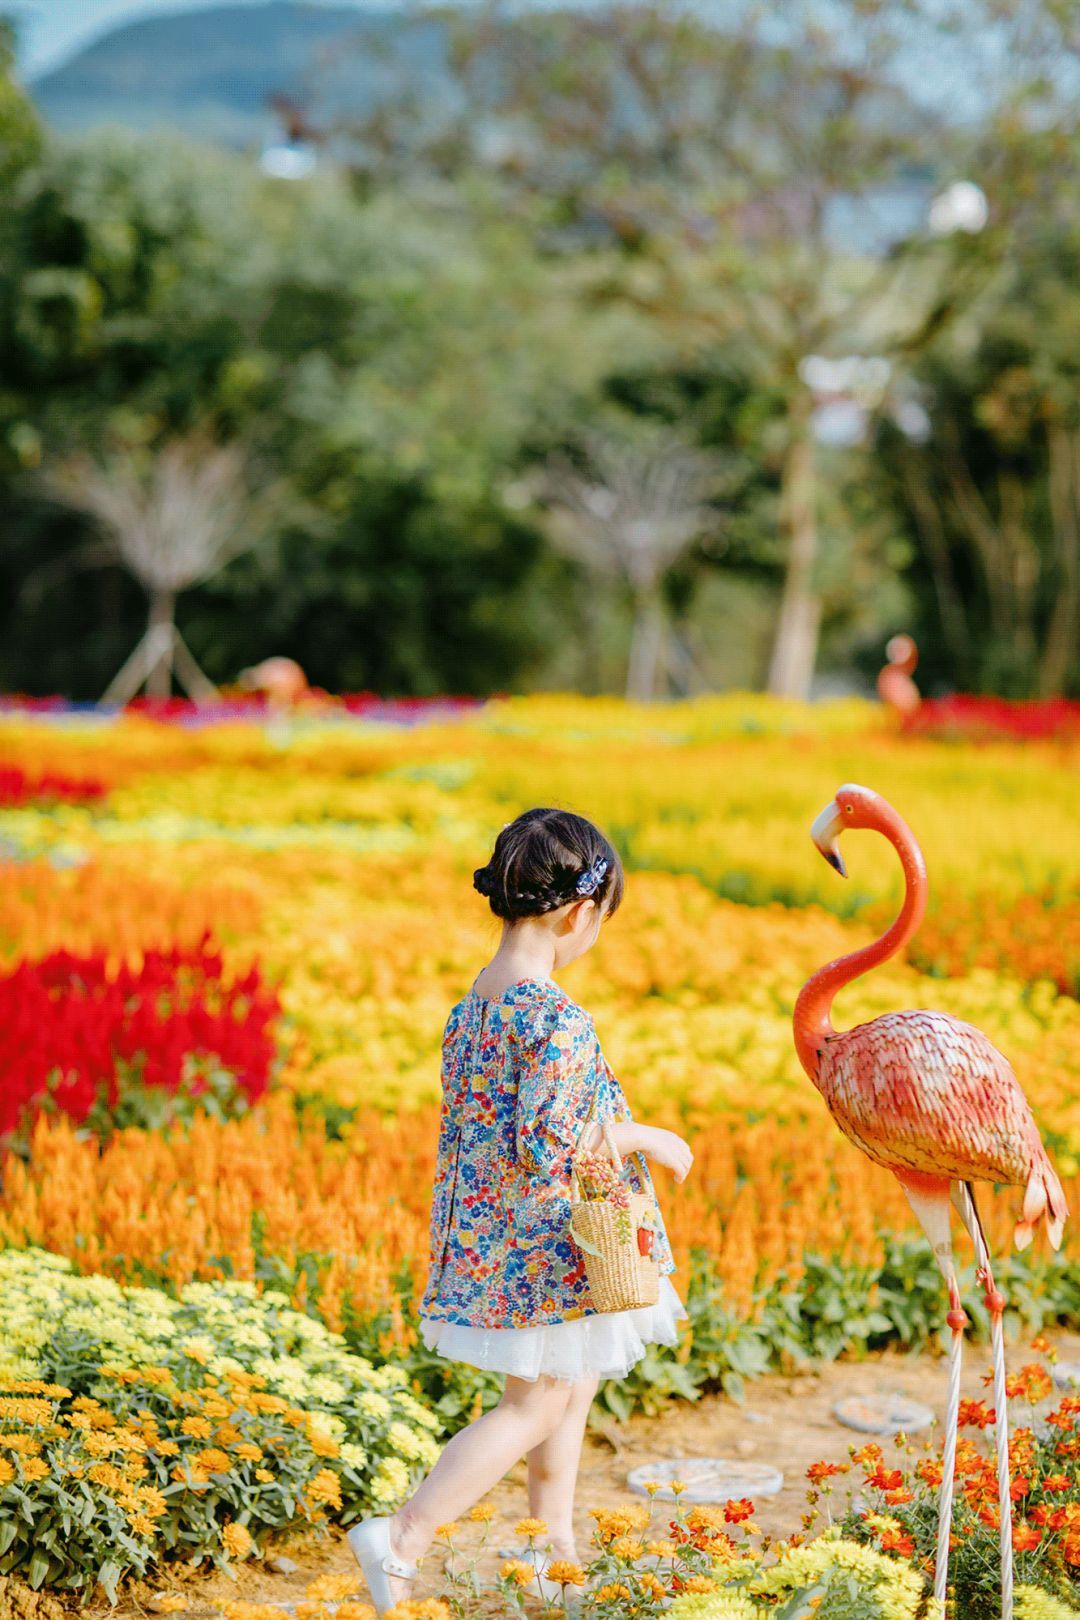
(545, 859)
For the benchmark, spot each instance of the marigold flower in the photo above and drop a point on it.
(564, 1573)
(482, 1513)
(516, 1570)
(825, 1470)
(326, 1487)
(737, 1512)
(614, 1592)
(975, 1414)
(1025, 1536)
(330, 1588)
(531, 1528)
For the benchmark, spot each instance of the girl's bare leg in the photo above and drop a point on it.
(475, 1460)
(553, 1470)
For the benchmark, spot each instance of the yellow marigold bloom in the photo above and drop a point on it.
(419, 1609)
(7, 1472)
(108, 1476)
(167, 1448)
(216, 1407)
(531, 1528)
(706, 1518)
(227, 1434)
(236, 1539)
(34, 1468)
(214, 1460)
(264, 1475)
(516, 1570)
(614, 1590)
(352, 1610)
(627, 1547)
(611, 1522)
(269, 1403)
(663, 1547)
(698, 1583)
(651, 1584)
(564, 1573)
(295, 1417)
(197, 1427)
(331, 1588)
(141, 1524)
(326, 1487)
(26, 1443)
(482, 1513)
(151, 1500)
(247, 1450)
(99, 1445)
(324, 1445)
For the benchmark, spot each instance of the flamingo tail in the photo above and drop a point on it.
(1044, 1200)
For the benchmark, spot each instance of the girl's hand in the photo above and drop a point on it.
(663, 1147)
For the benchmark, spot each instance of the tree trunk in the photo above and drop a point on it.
(1059, 649)
(794, 654)
(646, 640)
(162, 621)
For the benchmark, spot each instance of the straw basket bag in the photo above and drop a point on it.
(621, 1276)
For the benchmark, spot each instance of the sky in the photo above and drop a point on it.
(52, 30)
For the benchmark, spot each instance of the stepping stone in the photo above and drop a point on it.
(1067, 1375)
(882, 1414)
(707, 1479)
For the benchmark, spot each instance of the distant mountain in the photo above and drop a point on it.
(209, 73)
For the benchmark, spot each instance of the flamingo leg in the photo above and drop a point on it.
(995, 1304)
(929, 1199)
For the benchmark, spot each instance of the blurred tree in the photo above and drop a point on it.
(762, 175)
(993, 494)
(628, 507)
(173, 518)
(374, 349)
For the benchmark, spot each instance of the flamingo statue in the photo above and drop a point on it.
(932, 1100)
(281, 680)
(894, 683)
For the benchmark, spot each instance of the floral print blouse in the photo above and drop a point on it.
(520, 1073)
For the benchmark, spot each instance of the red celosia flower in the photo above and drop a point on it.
(78, 1029)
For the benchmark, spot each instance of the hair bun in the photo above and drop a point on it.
(484, 881)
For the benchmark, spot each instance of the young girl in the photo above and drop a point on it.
(523, 1074)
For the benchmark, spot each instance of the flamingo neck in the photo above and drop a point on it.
(813, 1009)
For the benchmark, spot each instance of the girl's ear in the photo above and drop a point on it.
(574, 915)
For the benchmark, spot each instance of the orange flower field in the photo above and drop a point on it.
(336, 858)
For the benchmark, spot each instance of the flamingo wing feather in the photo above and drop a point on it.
(922, 1091)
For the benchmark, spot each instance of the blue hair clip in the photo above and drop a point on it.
(591, 879)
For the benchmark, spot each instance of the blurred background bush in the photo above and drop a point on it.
(657, 346)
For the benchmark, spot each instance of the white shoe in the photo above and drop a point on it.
(373, 1551)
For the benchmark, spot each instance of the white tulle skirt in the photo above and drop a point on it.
(606, 1345)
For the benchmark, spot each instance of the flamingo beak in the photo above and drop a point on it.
(826, 832)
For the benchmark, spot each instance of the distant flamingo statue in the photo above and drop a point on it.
(933, 1101)
(895, 685)
(280, 680)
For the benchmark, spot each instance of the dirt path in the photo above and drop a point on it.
(786, 1422)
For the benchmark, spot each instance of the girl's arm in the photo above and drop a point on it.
(662, 1147)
